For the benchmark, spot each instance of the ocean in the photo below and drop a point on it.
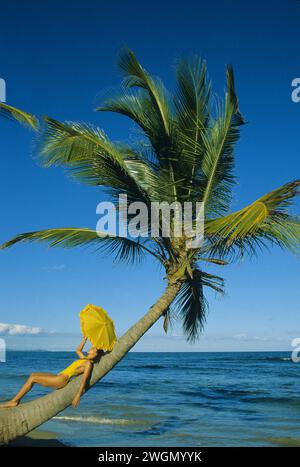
(174, 399)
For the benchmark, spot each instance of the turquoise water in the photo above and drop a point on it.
(175, 399)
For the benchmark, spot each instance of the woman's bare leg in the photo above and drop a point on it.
(43, 379)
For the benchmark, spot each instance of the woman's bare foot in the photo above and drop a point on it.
(8, 404)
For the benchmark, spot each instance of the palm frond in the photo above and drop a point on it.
(93, 159)
(191, 120)
(134, 105)
(137, 106)
(151, 109)
(266, 219)
(193, 95)
(169, 320)
(192, 103)
(283, 231)
(218, 160)
(22, 117)
(213, 282)
(217, 261)
(122, 248)
(191, 306)
(136, 76)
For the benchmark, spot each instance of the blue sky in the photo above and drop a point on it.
(59, 59)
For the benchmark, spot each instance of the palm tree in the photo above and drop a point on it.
(184, 151)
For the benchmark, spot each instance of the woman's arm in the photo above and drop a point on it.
(85, 377)
(80, 347)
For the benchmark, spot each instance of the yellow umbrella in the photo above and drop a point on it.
(98, 327)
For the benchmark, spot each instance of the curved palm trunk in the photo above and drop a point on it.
(22, 419)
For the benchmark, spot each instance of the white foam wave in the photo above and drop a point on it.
(98, 420)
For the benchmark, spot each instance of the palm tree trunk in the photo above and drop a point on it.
(18, 421)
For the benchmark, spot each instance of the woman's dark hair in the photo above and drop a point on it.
(100, 353)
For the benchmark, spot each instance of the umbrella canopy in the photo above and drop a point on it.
(98, 327)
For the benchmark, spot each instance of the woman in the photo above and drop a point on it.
(83, 366)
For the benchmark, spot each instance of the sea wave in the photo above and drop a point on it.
(149, 366)
(277, 359)
(98, 420)
(283, 401)
(218, 393)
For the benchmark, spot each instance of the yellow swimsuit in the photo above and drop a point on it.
(71, 369)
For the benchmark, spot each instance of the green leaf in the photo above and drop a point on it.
(192, 103)
(217, 261)
(265, 220)
(191, 305)
(218, 160)
(166, 323)
(136, 76)
(124, 249)
(22, 117)
(93, 159)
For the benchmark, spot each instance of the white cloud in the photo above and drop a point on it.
(247, 337)
(19, 330)
(240, 337)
